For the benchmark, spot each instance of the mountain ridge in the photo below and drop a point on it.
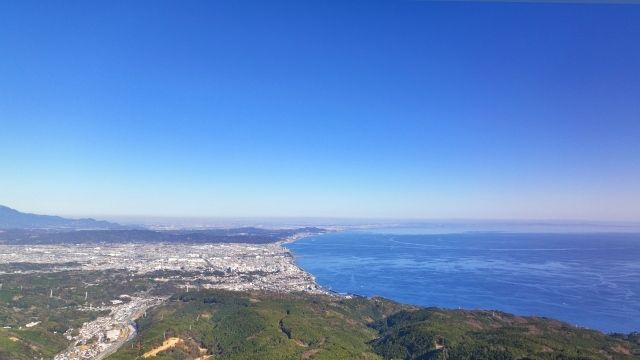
(13, 219)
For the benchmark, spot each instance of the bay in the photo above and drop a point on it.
(590, 280)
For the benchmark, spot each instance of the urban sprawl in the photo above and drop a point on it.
(230, 266)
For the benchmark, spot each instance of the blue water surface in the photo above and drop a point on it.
(590, 280)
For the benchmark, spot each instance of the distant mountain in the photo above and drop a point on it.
(14, 219)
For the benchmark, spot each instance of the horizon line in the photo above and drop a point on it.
(367, 218)
(407, 219)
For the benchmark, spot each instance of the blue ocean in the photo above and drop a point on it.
(590, 280)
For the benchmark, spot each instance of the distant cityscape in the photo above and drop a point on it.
(243, 259)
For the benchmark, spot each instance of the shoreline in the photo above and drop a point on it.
(293, 257)
(322, 288)
(397, 296)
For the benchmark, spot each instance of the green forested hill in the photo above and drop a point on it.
(261, 326)
(229, 325)
(459, 334)
(217, 324)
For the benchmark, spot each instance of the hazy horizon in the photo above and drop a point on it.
(416, 225)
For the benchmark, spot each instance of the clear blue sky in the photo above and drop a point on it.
(412, 109)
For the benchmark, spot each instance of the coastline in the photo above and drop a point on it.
(318, 286)
(304, 283)
(294, 262)
(451, 267)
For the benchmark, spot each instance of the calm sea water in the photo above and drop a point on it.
(591, 280)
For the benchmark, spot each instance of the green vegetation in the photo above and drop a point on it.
(459, 334)
(265, 326)
(256, 325)
(28, 297)
(231, 325)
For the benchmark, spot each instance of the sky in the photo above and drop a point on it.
(395, 109)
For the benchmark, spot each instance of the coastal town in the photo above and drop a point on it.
(187, 267)
(230, 266)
